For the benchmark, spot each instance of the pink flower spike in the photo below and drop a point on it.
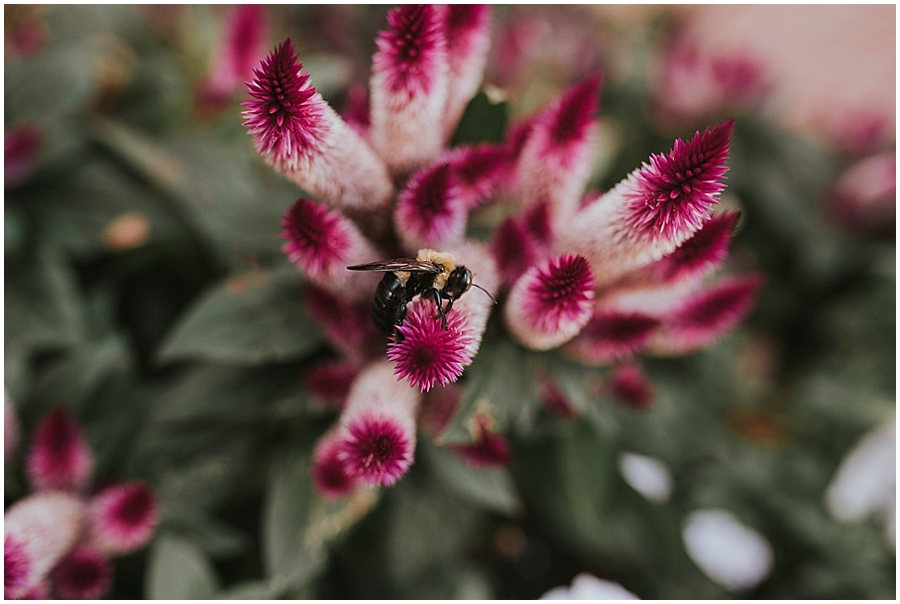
(476, 306)
(551, 302)
(556, 158)
(864, 200)
(468, 31)
(378, 426)
(347, 324)
(700, 255)
(656, 208)
(612, 335)
(330, 476)
(408, 88)
(630, 386)
(85, 574)
(123, 517)
(240, 46)
(22, 146)
(302, 137)
(427, 354)
(514, 249)
(59, 457)
(430, 210)
(489, 450)
(323, 243)
(478, 171)
(38, 531)
(555, 401)
(330, 382)
(356, 109)
(706, 316)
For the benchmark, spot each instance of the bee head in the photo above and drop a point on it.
(458, 282)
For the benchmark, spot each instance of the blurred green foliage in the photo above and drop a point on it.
(181, 351)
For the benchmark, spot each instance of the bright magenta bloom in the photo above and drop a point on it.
(60, 457)
(329, 473)
(611, 335)
(123, 517)
(467, 31)
(430, 210)
(85, 574)
(630, 386)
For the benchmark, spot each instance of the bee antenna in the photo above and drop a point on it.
(485, 291)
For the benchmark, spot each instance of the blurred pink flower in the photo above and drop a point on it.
(331, 381)
(22, 148)
(59, 457)
(123, 517)
(430, 210)
(84, 574)
(331, 478)
(630, 386)
(467, 31)
(488, 450)
(864, 199)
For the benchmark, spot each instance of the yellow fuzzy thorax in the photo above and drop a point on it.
(443, 259)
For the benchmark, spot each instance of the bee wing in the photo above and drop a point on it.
(399, 264)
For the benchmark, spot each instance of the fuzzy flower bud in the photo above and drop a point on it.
(302, 137)
(22, 145)
(84, 574)
(489, 449)
(551, 302)
(706, 316)
(478, 171)
(612, 335)
(330, 476)
(59, 457)
(408, 88)
(430, 211)
(330, 382)
(657, 207)
(555, 161)
(347, 324)
(378, 426)
(630, 386)
(476, 306)
(123, 517)
(38, 531)
(468, 29)
(322, 243)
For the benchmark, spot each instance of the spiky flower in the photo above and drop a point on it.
(329, 473)
(84, 574)
(378, 426)
(123, 517)
(611, 335)
(408, 88)
(467, 30)
(652, 211)
(16, 567)
(430, 211)
(478, 171)
(59, 457)
(427, 354)
(551, 302)
(302, 137)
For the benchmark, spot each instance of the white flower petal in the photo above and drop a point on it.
(646, 475)
(586, 586)
(866, 478)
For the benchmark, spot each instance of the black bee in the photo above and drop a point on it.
(431, 274)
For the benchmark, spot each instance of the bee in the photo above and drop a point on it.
(431, 274)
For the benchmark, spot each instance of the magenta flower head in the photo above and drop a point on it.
(22, 146)
(408, 88)
(84, 574)
(330, 382)
(551, 302)
(864, 200)
(656, 208)
(378, 426)
(330, 476)
(468, 29)
(302, 137)
(630, 386)
(612, 335)
(123, 517)
(427, 354)
(241, 44)
(705, 316)
(555, 160)
(59, 457)
(478, 171)
(489, 449)
(322, 243)
(430, 211)
(38, 531)
(347, 324)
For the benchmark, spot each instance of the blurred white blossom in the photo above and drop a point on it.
(588, 587)
(727, 551)
(648, 476)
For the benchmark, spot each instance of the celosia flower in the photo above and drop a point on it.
(240, 45)
(705, 316)
(329, 473)
(302, 137)
(331, 381)
(123, 517)
(610, 336)
(652, 211)
(427, 354)
(430, 210)
(630, 386)
(356, 110)
(347, 324)
(477, 171)
(555, 160)
(378, 426)
(59, 457)
(551, 302)
(408, 88)
(522, 241)
(84, 574)
(322, 243)
(864, 200)
(467, 31)
(476, 306)
(21, 149)
(554, 400)
(488, 450)
(38, 531)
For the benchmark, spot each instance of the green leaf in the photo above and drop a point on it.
(482, 121)
(217, 539)
(247, 590)
(251, 319)
(490, 488)
(298, 526)
(179, 570)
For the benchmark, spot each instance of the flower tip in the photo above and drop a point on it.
(60, 457)
(123, 517)
(376, 450)
(84, 574)
(631, 387)
(330, 475)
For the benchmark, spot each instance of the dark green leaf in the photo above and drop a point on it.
(179, 570)
(482, 121)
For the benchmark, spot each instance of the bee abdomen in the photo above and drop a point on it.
(389, 306)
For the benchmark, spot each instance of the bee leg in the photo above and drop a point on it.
(438, 302)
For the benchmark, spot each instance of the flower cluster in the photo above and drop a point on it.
(601, 277)
(60, 539)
